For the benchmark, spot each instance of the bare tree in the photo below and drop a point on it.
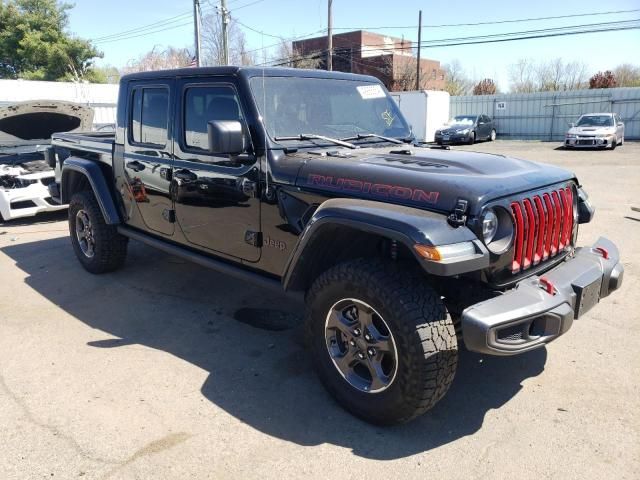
(521, 76)
(287, 56)
(404, 75)
(527, 76)
(627, 75)
(157, 59)
(457, 82)
(212, 51)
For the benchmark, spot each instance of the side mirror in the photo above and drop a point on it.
(226, 137)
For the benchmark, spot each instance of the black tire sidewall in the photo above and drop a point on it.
(78, 202)
(396, 403)
(109, 247)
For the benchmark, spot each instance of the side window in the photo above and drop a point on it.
(150, 116)
(203, 104)
(136, 107)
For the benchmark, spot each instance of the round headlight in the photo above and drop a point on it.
(497, 230)
(489, 226)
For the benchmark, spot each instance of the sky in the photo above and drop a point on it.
(97, 19)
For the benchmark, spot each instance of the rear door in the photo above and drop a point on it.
(148, 154)
(215, 196)
(484, 126)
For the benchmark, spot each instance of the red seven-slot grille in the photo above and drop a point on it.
(543, 227)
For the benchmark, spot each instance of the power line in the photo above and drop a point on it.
(506, 37)
(145, 27)
(246, 5)
(494, 22)
(145, 32)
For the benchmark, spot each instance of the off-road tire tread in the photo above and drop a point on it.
(424, 324)
(111, 247)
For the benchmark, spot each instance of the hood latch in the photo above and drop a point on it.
(458, 217)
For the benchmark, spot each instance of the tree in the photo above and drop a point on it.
(457, 82)
(527, 76)
(212, 51)
(521, 75)
(105, 74)
(404, 76)
(627, 75)
(485, 87)
(287, 56)
(157, 59)
(603, 80)
(34, 43)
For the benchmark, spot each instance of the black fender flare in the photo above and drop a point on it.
(94, 175)
(407, 225)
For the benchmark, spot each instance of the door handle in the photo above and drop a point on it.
(135, 166)
(184, 174)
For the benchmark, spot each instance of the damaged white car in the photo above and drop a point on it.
(25, 133)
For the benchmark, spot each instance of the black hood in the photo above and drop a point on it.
(429, 178)
(456, 127)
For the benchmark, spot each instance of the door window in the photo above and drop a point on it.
(204, 104)
(150, 116)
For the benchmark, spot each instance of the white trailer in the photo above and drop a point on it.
(425, 110)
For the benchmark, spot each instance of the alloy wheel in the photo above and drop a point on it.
(361, 345)
(84, 234)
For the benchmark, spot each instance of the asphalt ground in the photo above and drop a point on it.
(167, 370)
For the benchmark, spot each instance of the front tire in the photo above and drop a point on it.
(98, 246)
(614, 144)
(472, 138)
(381, 340)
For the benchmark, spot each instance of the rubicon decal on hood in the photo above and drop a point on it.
(376, 189)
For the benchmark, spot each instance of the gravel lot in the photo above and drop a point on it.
(167, 370)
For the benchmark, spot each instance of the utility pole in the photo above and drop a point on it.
(225, 34)
(196, 31)
(329, 38)
(419, 46)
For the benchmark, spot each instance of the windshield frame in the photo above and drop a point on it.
(319, 143)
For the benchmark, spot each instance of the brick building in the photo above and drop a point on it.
(390, 59)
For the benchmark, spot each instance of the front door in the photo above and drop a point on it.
(216, 202)
(148, 155)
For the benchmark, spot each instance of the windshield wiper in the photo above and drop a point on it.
(313, 136)
(361, 136)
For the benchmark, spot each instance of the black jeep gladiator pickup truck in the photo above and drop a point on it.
(310, 182)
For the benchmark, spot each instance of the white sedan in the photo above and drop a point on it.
(596, 130)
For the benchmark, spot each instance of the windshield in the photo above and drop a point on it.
(334, 108)
(462, 120)
(595, 121)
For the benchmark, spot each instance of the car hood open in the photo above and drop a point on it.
(33, 122)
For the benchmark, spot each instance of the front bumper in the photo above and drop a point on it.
(589, 142)
(541, 308)
(452, 138)
(27, 201)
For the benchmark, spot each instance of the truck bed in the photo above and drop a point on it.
(96, 142)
